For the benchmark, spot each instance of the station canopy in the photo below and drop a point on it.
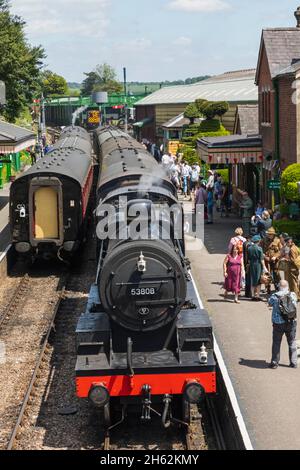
(230, 150)
(14, 139)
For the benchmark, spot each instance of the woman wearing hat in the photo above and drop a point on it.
(257, 266)
(272, 250)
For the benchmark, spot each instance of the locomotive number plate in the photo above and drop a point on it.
(143, 291)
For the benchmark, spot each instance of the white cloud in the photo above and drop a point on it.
(74, 17)
(198, 5)
(183, 41)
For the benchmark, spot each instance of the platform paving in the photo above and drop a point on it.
(269, 399)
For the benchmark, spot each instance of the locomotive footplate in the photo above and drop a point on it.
(166, 371)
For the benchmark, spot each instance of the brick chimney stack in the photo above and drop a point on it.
(297, 15)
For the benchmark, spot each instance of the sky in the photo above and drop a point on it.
(156, 40)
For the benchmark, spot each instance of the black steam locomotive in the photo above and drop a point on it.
(49, 202)
(144, 339)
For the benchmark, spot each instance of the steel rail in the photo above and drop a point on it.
(35, 372)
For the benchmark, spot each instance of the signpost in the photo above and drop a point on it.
(274, 185)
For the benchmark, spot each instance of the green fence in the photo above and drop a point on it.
(11, 165)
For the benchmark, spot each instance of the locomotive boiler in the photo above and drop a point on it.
(49, 202)
(144, 340)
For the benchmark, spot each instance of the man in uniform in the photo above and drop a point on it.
(272, 248)
(293, 266)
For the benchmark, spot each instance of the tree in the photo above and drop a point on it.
(20, 63)
(103, 78)
(200, 103)
(191, 112)
(289, 182)
(53, 84)
(208, 110)
(221, 108)
(89, 83)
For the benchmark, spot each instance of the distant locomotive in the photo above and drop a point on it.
(144, 339)
(49, 202)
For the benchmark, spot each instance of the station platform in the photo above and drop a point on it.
(4, 219)
(269, 399)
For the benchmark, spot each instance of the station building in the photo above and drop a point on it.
(15, 143)
(274, 126)
(157, 109)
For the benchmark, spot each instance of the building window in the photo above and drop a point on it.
(266, 105)
(174, 135)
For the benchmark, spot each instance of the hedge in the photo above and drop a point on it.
(288, 226)
(290, 178)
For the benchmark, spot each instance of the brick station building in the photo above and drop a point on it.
(277, 78)
(278, 114)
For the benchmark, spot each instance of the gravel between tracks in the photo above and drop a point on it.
(21, 336)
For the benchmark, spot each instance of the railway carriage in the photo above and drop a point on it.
(49, 202)
(144, 341)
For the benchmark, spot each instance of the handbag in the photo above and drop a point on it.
(266, 279)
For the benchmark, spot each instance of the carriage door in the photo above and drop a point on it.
(46, 211)
(46, 214)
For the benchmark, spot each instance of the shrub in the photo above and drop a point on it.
(215, 108)
(191, 112)
(208, 110)
(189, 155)
(221, 108)
(224, 174)
(290, 178)
(291, 227)
(211, 125)
(201, 105)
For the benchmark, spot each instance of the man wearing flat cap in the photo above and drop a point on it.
(272, 249)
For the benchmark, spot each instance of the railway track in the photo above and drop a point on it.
(18, 295)
(204, 433)
(26, 323)
(35, 376)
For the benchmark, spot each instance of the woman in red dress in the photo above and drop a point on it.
(233, 273)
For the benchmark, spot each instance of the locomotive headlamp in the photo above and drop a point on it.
(142, 265)
(203, 356)
(194, 392)
(99, 395)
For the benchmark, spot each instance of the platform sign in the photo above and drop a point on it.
(173, 146)
(2, 93)
(274, 185)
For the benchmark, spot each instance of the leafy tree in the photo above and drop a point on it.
(289, 182)
(208, 110)
(89, 83)
(20, 63)
(103, 78)
(53, 84)
(191, 112)
(221, 108)
(200, 103)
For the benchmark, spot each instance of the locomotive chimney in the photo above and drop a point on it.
(297, 15)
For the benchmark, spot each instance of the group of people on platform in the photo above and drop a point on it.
(267, 259)
(257, 260)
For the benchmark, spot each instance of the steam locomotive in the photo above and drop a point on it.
(144, 342)
(49, 202)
